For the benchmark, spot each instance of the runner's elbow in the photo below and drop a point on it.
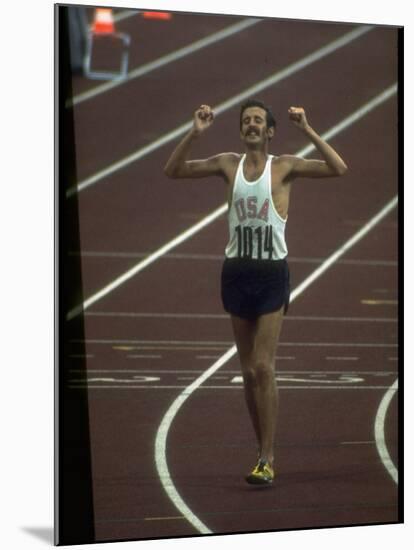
(170, 171)
(340, 170)
(343, 169)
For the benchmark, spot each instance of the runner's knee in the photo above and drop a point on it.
(259, 371)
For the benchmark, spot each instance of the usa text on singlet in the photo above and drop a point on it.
(256, 230)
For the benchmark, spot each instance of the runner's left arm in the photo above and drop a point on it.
(332, 165)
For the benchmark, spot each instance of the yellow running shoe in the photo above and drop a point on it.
(262, 474)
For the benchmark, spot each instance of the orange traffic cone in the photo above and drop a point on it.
(156, 15)
(103, 22)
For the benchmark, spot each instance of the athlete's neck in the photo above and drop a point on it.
(256, 158)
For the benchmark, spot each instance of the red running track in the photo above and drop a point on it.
(150, 338)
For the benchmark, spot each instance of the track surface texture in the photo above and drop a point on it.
(149, 338)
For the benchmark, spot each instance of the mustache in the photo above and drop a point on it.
(253, 130)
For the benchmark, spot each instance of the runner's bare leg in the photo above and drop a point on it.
(256, 343)
(244, 332)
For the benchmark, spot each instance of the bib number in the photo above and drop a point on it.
(247, 237)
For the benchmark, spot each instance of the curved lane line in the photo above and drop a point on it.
(162, 432)
(161, 444)
(380, 433)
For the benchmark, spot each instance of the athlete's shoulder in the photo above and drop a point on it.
(228, 161)
(284, 159)
(231, 158)
(283, 166)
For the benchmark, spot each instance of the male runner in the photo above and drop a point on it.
(255, 275)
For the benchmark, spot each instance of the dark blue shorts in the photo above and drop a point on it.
(250, 288)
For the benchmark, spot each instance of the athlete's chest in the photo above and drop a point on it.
(253, 173)
(268, 185)
(256, 184)
(260, 178)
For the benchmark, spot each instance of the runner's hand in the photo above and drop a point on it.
(203, 118)
(298, 117)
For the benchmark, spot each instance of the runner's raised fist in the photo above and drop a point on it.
(297, 116)
(203, 118)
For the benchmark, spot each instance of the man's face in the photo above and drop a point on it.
(254, 131)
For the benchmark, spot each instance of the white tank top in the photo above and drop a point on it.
(256, 230)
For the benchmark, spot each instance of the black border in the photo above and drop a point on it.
(74, 514)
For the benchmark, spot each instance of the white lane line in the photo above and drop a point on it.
(162, 432)
(148, 260)
(125, 14)
(343, 379)
(380, 433)
(338, 344)
(161, 442)
(193, 377)
(180, 348)
(277, 358)
(345, 123)
(386, 94)
(229, 372)
(219, 257)
(223, 316)
(357, 442)
(233, 387)
(222, 107)
(342, 358)
(144, 356)
(180, 342)
(214, 345)
(343, 319)
(349, 244)
(89, 371)
(156, 315)
(166, 59)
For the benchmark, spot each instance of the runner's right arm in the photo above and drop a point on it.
(179, 167)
